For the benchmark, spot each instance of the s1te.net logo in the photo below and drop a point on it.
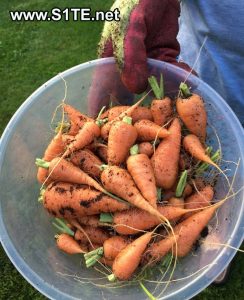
(67, 14)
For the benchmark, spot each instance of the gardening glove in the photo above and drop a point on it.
(147, 29)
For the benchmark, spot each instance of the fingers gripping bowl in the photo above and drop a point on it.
(26, 230)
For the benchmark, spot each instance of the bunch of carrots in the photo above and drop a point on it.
(129, 187)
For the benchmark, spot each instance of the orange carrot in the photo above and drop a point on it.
(103, 153)
(161, 107)
(67, 244)
(191, 110)
(140, 168)
(96, 235)
(111, 248)
(199, 199)
(119, 182)
(62, 170)
(54, 149)
(113, 245)
(166, 157)
(158, 250)
(76, 118)
(146, 148)
(190, 229)
(122, 136)
(89, 220)
(127, 113)
(134, 220)
(192, 144)
(87, 161)
(149, 131)
(84, 137)
(161, 110)
(127, 261)
(70, 201)
(138, 114)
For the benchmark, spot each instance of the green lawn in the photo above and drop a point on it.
(30, 54)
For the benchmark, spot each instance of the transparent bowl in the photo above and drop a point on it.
(26, 230)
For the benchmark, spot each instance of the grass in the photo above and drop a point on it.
(30, 54)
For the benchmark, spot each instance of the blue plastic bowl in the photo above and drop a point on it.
(26, 230)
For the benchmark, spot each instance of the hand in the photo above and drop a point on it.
(147, 29)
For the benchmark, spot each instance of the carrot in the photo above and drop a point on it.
(140, 168)
(190, 229)
(105, 130)
(161, 107)
(176, 202)
(199, 199)
(166, 157)
(84, 137)
(127, 113)
(70, 201)
(103, 153)
(67, 244)
(134, 220)
(146, 148)
(191, 110)
(113, 245)
(54, 149)
(192, 144)
(119, 182)
(87, 161)
(139, 113)
(96, 235)
(77, 119)
(122, 136)
(127, 261)
(111, 248)
(67, 139)
(149, 131)
(42, 175)
(158, 250)
(89, 220)
(62, 170)
(161, 110)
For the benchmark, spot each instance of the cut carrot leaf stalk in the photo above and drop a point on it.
(42, 192)
(92, 257)
(62, 227)
(106, 218)
(158, 89)
(185, 91)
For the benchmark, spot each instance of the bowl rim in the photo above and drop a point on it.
(49, 290)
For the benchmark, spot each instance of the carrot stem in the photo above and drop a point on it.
(42, 163)
(100, 122)
(134, 150)
(181, 184)
(111, 277)
(158, 89)
(106, 218)
(62, 226)
(127, 120)
(65, 127)
(92, 257)
(40, 198)
(185, 90)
